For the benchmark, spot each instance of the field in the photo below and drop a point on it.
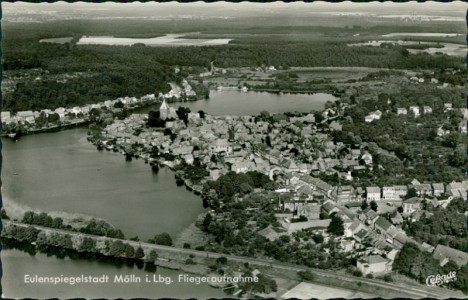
(174, 40)
(63, 40)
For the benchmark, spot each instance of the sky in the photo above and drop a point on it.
(345, 5)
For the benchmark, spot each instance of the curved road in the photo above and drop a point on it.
(419, 291)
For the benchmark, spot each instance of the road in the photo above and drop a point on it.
(419, 291)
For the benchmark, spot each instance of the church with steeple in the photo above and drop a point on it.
(164, 110)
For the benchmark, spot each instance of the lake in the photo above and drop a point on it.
(424, 34)
(62, 171)
(448, 48)
(233, 102)
(17, 264)
(173, 40)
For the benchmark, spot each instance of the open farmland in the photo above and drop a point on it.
(161, 41)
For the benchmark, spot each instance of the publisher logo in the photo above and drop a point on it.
(436, 280)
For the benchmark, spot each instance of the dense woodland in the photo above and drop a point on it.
(443, 226)
(108, 72)
(414, 263)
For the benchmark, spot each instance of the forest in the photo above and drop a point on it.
(109, 72)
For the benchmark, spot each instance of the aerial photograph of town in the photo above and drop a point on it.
(234, 150)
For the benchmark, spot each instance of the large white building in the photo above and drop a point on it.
(373, 193)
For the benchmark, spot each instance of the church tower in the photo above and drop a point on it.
(164, 110)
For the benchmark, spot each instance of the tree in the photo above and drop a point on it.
(364, 205)
(152, 256)
(374, 205)
(119, 104)
(336, 226)
(207, 221)
(28, 217)
(117, 248)
(222, 260)
(88, 245)
(163, 239)
(139, 253)
(268, 141)
(4, 214)
(52, 118)
(458, 156)
(411, 193)
(129, 251)
(318, 117)
(213, 158)
(202, 114)
(318, 238)
(41, 120)
(458, 204)
(306, 275)
(400, 209)
(453, 139)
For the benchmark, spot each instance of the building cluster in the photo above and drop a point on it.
(81, 113)
(65, 115)
(291, 151)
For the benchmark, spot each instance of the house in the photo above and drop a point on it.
(361, 235)
(428, 247)
(305, 191)
(309, 210)
(355, 153)
(182, 150)
(353, 206)
(316, 225)
(189, 159)
(415, 110)
(334, 125)
(243, 166)
(427, 109)
(220, 145)
(347, 245)
(375, 115)
(438, 189)
(388, 193)
(345, 194)
(457, 189)
(447, 107)
(400, 191)
(411, 205)
(373, 193)
(329, 207)
(402, 111)
(381, 225)
(396, 218)
(317, 184)
(423, 189)
(462, 127)
(270, 233)
(367, 158)
(25, 116)
(215, 174)
(5, 117)
(61, 112)
(444, 254)
(354, 228)
(372, 264)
